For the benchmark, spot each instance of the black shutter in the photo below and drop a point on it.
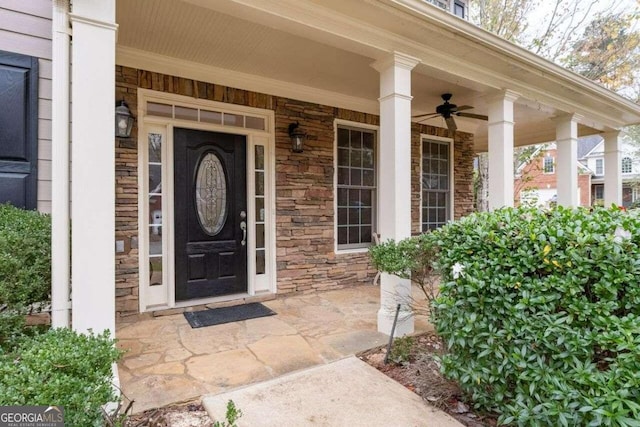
(18, 129)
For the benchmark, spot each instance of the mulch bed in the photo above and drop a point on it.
(420, 373)
(186, 414)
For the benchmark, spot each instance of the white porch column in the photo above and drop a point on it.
(93, 165)
(60, 255)
(567, 160)
(501, 149)
(612, 169)
(395, 182)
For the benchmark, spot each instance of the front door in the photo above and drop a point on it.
(210, 214)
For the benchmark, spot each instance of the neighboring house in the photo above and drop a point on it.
(208, 200)
(629, 167)
(536, 181)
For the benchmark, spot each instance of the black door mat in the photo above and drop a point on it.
(218, 316)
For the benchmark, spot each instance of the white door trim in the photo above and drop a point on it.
(162, 296)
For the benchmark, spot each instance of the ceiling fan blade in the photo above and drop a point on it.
(425, 119)
(451, 124)
(425, 115)
(473, 116)
(464, 107)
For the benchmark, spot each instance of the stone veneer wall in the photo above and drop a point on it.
(304, 187)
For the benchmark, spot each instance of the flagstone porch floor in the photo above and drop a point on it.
(167, 361)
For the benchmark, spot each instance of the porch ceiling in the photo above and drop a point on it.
(325, 48)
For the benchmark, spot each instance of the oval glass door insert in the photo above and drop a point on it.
(211, 194)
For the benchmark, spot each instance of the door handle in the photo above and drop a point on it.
(243, 227)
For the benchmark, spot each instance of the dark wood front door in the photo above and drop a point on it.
(210, 214)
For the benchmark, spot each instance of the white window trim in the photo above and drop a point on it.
(348, 123)
(163, 296)
(452, 180)
(596, 167)
(553, 167)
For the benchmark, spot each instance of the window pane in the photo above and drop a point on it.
(356, 176)
(343, 176)
(366, 197)
(186, 113)
(343, 157)
(259, 236)
(155, 179)
(155, 225)
(259, 183)
(354, 234)
(343, 138)
(254, 123)
(367, 159)
(211, 117)
(342, 235)
(354, 198)
(155, 148)
(444, 183)
(161, 110)
(233, 120)
(260, 209)
(211, 194)
(366, 216)
(260, 262)
(367, 140)
(354, 216)
(368, 178)
(343, 197)
(342, 215)
(365, 234)
(155, 271)
(259, 153)
(356, 139)
(356, 158)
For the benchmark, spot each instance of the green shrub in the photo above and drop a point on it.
(12, 329)
(61, 367)
(401, 350)
(541, 314)
(25, 256)
(232, 415)
(413, 259)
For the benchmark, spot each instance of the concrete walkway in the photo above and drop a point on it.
(347, 393)
(167, 361)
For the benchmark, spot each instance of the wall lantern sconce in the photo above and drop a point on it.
(124, 120)
(297, 136)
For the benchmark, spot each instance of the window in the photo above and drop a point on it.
(627, 165)
(356, 187)
(548, 165)
(155, 140)
(459, 9)
(599, 167)
(598, 194)
(436, 193)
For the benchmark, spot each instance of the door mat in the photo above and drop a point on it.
(218, 316)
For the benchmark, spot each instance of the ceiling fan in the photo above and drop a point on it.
(447, 111)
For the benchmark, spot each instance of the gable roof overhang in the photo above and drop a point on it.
(333, 43)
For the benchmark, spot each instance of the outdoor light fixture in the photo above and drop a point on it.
(124, 120)
(297, 136)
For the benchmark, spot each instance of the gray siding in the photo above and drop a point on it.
(25, 27)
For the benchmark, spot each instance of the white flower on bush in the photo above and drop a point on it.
(457, 270)
(621, 234)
